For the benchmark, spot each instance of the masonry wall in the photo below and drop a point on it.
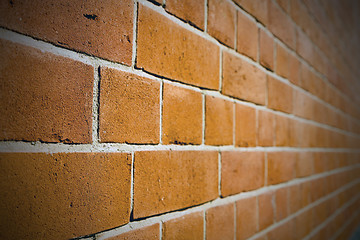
(180, 119)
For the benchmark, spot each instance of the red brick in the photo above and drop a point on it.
(221, 21)
(284, 4)
(320, 162)
(305, 193)
(247, 36)
(129, 108)
(294, 198)
(58, 196)
(246, 167)
(188, 10)
(149, 233)
(312, 83)
(285, 231)
(220, 222)
(304, 164)
(266, 129)
(190, 226)
(168, 180)
(279, 95)
(282, 203)
(218, 121)
(282, 61)
(44, 97)
(281, 167)
(282, 131)
(101, 28)
(245, 126)
(246, 218)
(266, 50)
(257, 8)
(266, 210)
(303, 224)
(167, 49)
(294, 70)
(182, 115)
(304, 46)
(239, 76)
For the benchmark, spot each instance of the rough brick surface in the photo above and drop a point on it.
(190, 226)
(245, 126)
(44, 97)
(279, 95)
(170, 180)
(246, 218)
(149, 233)
(246, 167)
(101, 28)
(257, 8)
(58, 196)
(129, 108)
(169, 50)
(282, 61)
(188, 10)
(266, 49)
(266, 210)
(247, 36)
(282, 203)
(281, 167)
(266, 129)
(220, 222)
(282, 131)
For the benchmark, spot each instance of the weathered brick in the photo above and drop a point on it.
(281, 167)
(221, 21)
(266, 210)
(101, 28)
(218, 121)
(129, 108)
(282, 61)
(282, 204)
(44, 97)
(246, 167)
(266, 50)
(190, 226)
(266, 129)
(246, 218)
(245, 126)
(182, 115)
(282, 131)
(149, 233)
(239, 76)
(168, 180)
(188, 10)
(257, 8)
(167, 49)
(280, 95)
(304, 164)
(58, 196)
(247, 36)
(220, 222)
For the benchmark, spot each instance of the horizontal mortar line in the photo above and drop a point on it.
(343, 227)
(219, 202)
(15, 146)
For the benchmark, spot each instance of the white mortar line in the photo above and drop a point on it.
(203, 119)
(95, 106)
(234, 204)
(219, 173)
(234, 124)
(132, 182)
(204, 225)
(160, 226)
(161, 110)
(134, 42)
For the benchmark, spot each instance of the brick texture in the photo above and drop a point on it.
(186, 227)
(220, 222)
(150, 233)
(245, 126)
(247, 36)
(246, 218)
(279, 95)
(265, 128)
(281, 167)
(188, 10)
(266, 49)
(266, 210)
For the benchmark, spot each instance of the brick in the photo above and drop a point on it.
(246, 218)
(294, 69)
(266, 210)
(190, 226)
(281, 167)
(282, 203)
(266, 50)
(257, 8)
(218, 121)
(266, 129)
(245, 126)
(246, 167)
(44, 97)
(239, 76)
(247, 36)
(167, 49)
(283, 232)
(304, 164)
(320, 162)
(221, 21)
(284, 4)
(303, 224)
(279, 95)
(305, 193)
(58, 196)
(220, 222)
(294, 198)
(129, 108)
(304, 46)
(168, 180)
(182, 115)
(149, 233)
(282, 61)
(282, 131)
(188, 10)
(101, 28)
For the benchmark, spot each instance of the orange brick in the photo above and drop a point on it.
(246, 167)
(257, 8)
(284, 4)
(279, 95)
(282, 131)
(168, 180)
(281, 167)
(266, 50)
(188, 10)
(220, 222)
(221, 21)
(304, 46)
(304, 164)
(149, 232)
(190, 226)
(320, 162)
(305, 193)
(167, 49)
(282, 61)
(283, 232)
(247, 36)
(129, 108)
(282, 203)
(182, 115)
(246, 218)
(44, 97)
(303, 223)
(239, 76)
(266, 129)
(101, 28)
(245, 126)
(294, 198)
(58, 196)
(294, 70)
(266, 210)
(218, 121)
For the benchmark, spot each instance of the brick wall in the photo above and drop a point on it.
(179, 119)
